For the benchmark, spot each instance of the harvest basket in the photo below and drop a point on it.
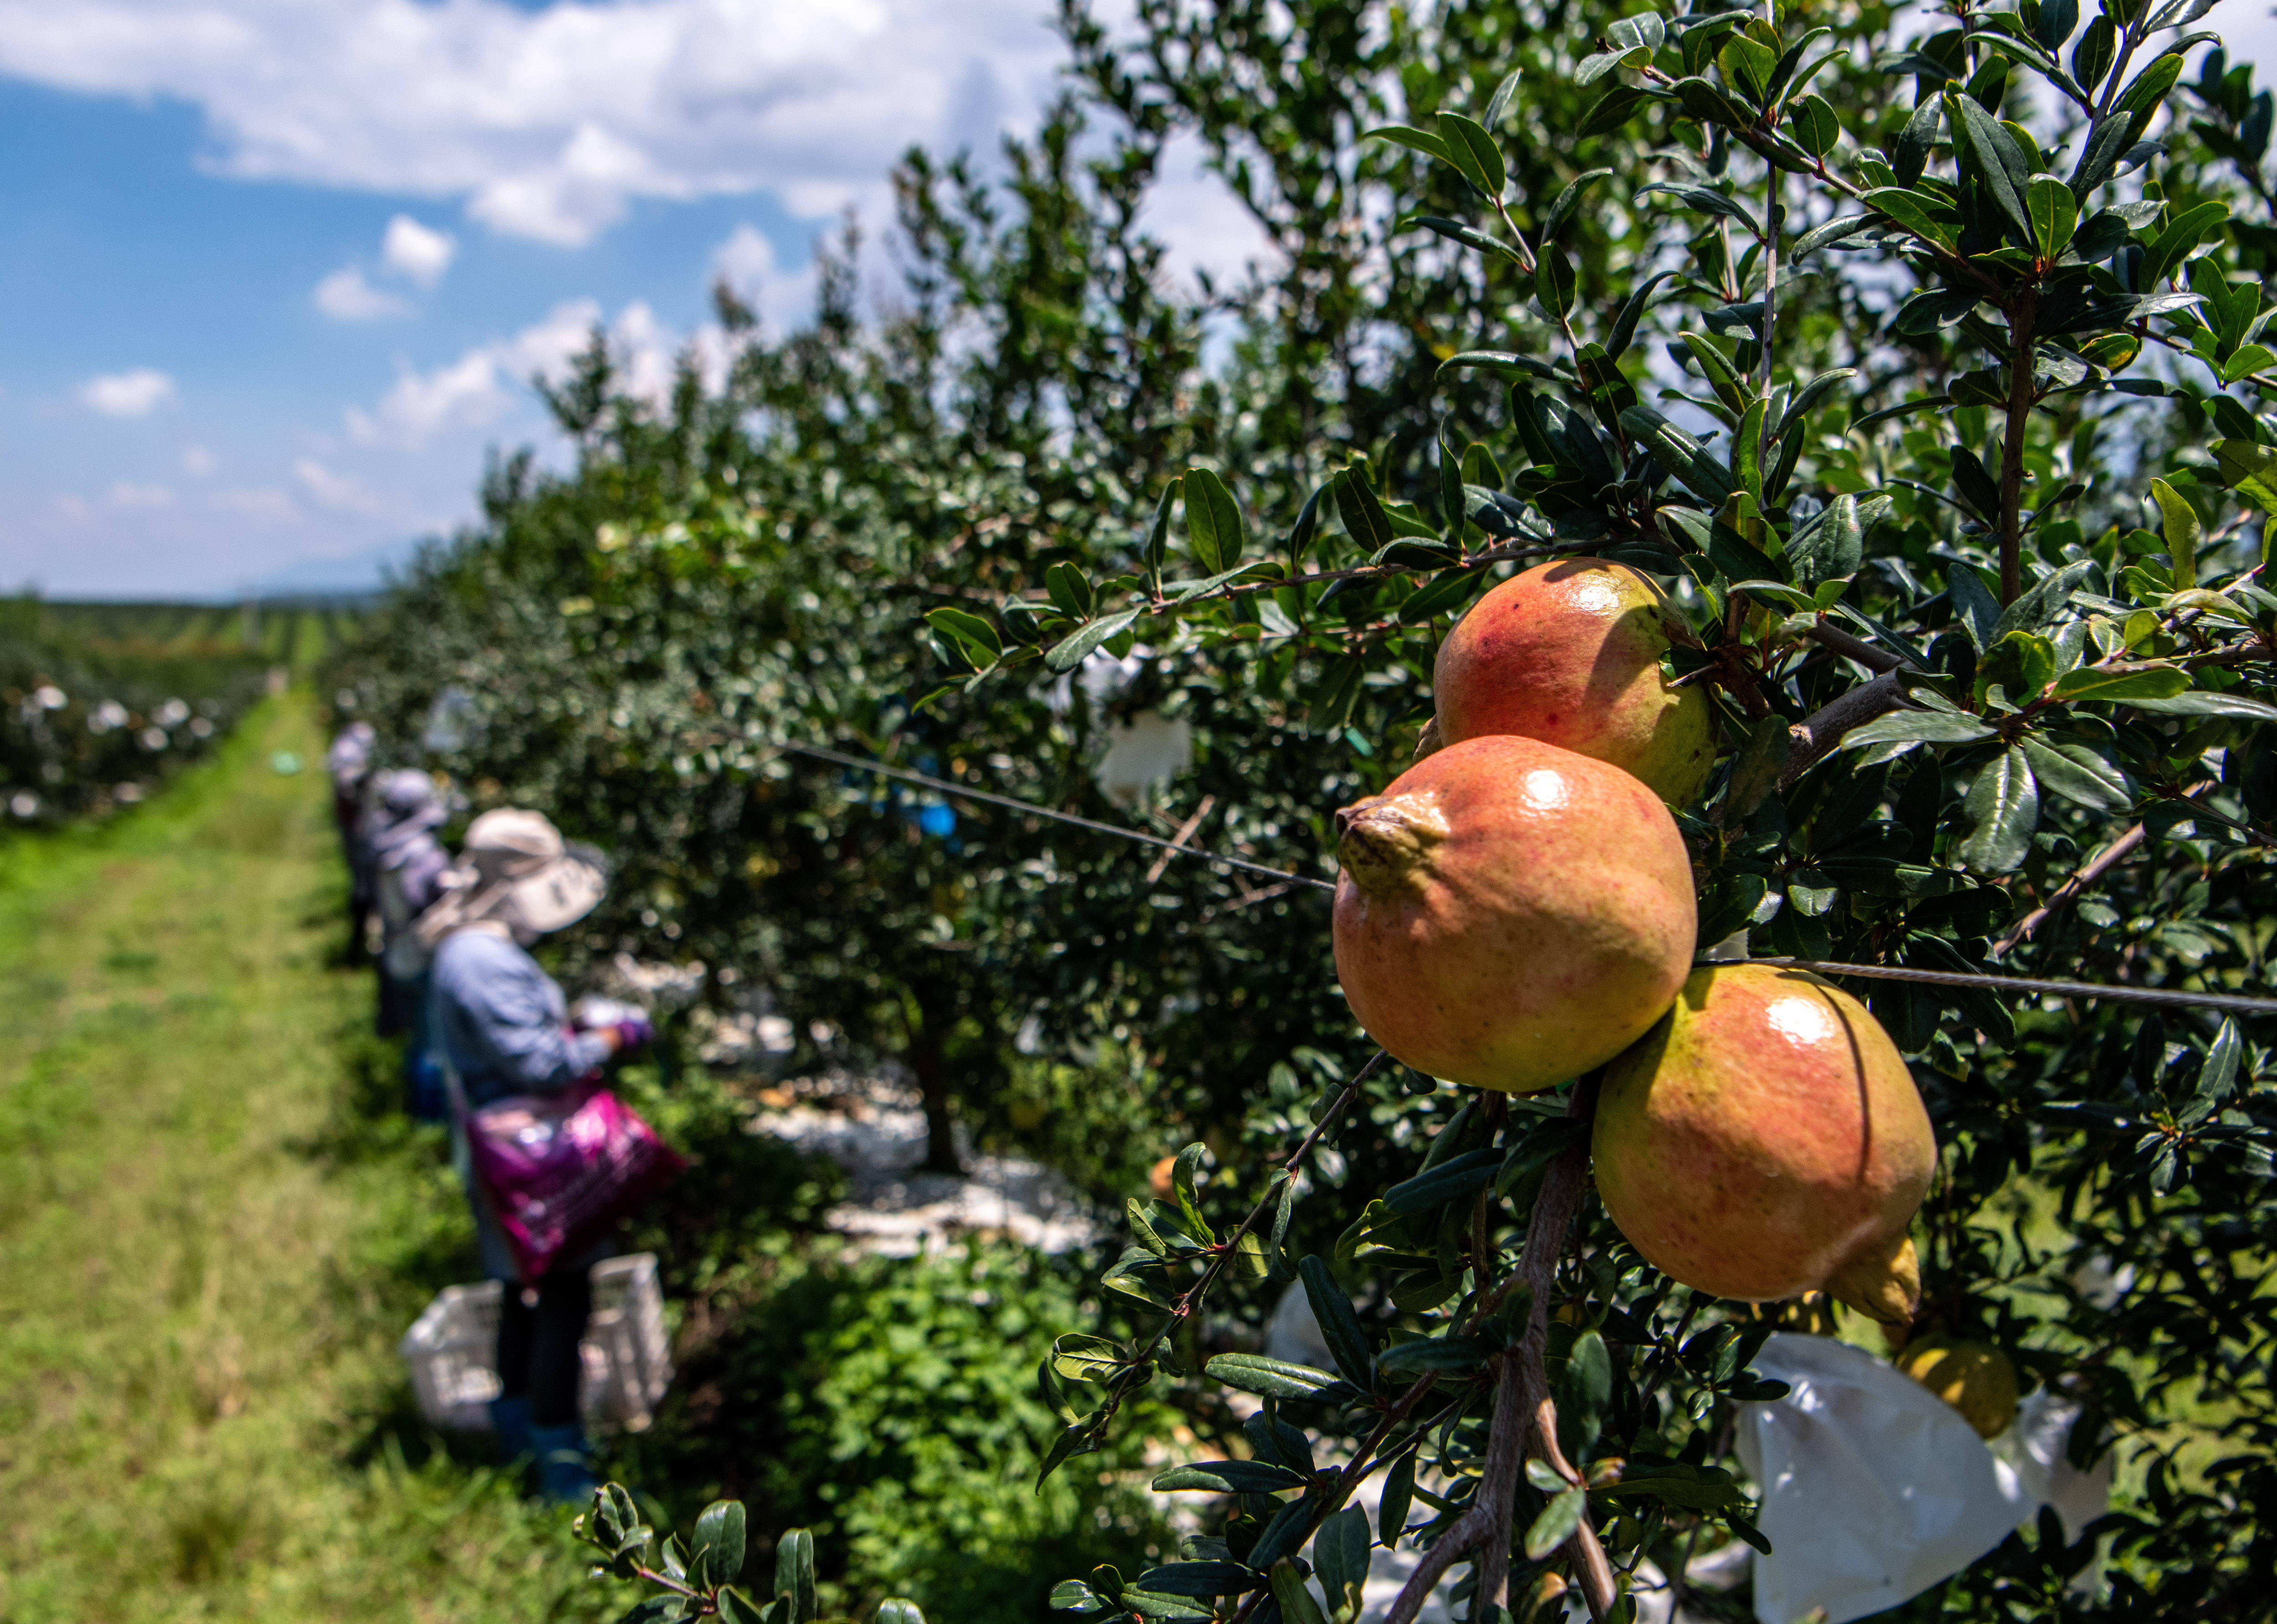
(453, 1347)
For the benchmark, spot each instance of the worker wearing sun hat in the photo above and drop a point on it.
(348, 761)
(500, 1022)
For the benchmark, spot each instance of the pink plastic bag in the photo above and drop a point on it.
(559, 1170)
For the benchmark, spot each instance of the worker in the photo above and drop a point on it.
(410, 863)
(348, 761)
(499, 1023)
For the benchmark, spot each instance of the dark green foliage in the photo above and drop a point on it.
(1892, 409)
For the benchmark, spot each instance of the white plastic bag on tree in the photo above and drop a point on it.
(2036, 1449)
(1873, 1487)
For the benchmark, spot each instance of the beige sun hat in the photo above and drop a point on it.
(515, 869)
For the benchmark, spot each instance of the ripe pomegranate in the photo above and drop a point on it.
(1511, 913)
(1977, 1378)
(1766, 1139)
(1569, 653)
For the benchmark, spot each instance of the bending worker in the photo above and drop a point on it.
(499, 1024)
(411, 864)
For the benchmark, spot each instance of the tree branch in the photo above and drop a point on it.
(1812, 737)
(2110, 856)
(1523, 1412)
(2012, 443)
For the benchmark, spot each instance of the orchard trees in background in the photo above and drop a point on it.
(1897, 344)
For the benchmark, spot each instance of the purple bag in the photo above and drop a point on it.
(561, 1169)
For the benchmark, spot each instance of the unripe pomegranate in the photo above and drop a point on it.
(1765, 1138)
(1511, 913)
(1977, 1378)
(1569, 653)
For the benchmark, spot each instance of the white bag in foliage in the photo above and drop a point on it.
(2036, 1448)
(1873, 1487)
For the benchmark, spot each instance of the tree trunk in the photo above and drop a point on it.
(925, 1059)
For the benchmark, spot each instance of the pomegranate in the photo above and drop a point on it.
(1977, 1378)
(1511, 913)
(1569, 653)
(1765, 1140)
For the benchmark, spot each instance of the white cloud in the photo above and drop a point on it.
(748, 264)
(341, 492)
(418, 252)
(346, 296)
(197, 461)
(264, 505)
(128, 494)
(550, 123)
(479, 386)
(136, 392)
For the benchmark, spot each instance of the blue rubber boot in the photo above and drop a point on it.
(510, 1428)
(565, 1476)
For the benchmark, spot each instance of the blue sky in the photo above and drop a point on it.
(276, 271)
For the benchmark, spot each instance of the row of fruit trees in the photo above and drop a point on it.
(99, 706)
(1793, 485)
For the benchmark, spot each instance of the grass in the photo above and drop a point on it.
(209, 1246)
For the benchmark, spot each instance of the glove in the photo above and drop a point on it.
(634, 1032)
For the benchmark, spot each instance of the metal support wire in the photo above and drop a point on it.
(2017, 985)
(949, 787)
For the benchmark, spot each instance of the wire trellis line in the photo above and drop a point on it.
(2019, 985)
(948, 787)
(2235, 1002)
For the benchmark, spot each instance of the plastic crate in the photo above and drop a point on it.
(453, 1350)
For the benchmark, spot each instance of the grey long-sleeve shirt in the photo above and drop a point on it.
(502, 1021)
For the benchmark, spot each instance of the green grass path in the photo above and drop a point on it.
(207, 1249)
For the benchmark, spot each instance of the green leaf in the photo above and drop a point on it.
(717, 1550)
(1158, 534)
(1917, 727)
(2044, 600)
(1182, 1184)
(1705, 200)
(1444, 1354)
(1716, 367)
(2251, 468)
(1455, 1179)
(1399, 1495)
(2079, 774)
(1832, 546)
(2006, 171)
(1569, 202)
(1474, 151)
(1415, 140)
(2250, 359)
(968, 634)
(795, 1574)
(1833, 231)
(736, 1608)
(1080, 1358)
(1556, 1525)
(1232, 1477)
(1271, 1379)
(2208, 704)
(2054, 213)
(2184, 533)
(1070, 589)
(1293, 1598)
(1365, 519)
(1613, 109)
(1070, 652)
(1705, 102)
(894, 1610)
(1215, 528)
(2003, 808)
(1747, 450)
(1553, 282)
(1921, 213)
(1340, 1327)
(2087, 682)
(1816, 125)
(1340, 1557)
(1978, 608)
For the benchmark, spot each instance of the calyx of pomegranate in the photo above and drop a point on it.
(1386, 841)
